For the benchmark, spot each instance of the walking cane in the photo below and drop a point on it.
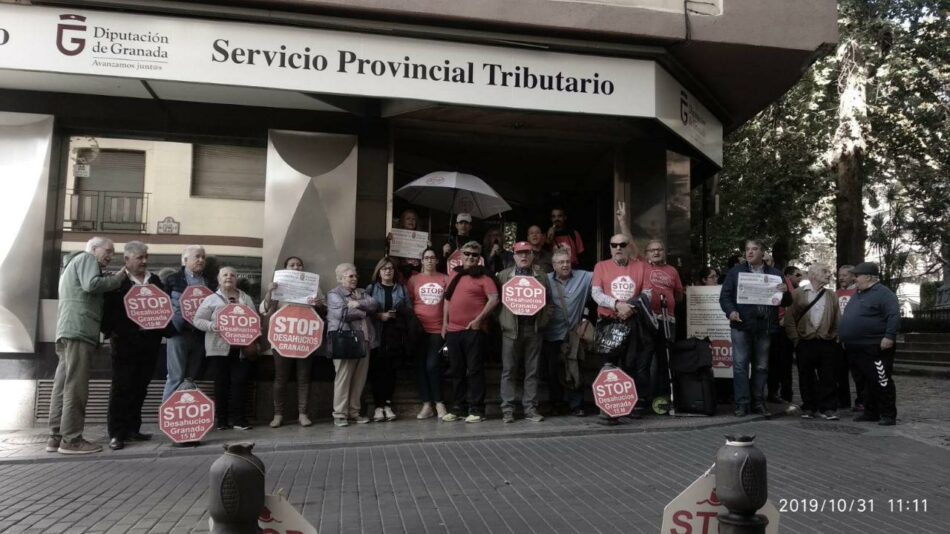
(666, 346)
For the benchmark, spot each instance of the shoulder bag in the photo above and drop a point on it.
(346, 344)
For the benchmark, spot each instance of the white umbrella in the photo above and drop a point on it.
(454, 192)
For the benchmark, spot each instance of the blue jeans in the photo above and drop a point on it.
(749, 346)
(184, 353)
(429, 368)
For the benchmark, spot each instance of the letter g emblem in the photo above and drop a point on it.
(77, 44)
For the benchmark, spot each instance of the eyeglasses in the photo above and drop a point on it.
(618, 245)
(470, 254)
(433, 258)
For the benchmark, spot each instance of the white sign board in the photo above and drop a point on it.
(694, 511)
(408, 243)
(147, 47)
(759, 289)
(279, 517)
(295, 286)
(705, 318)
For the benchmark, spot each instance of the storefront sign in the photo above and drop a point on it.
(191, 299)
(238, 324)
(148, 306)
(295, 331)
(704, 318)
(150, 47)
(523, 295)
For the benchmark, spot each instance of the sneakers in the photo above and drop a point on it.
(533, 416)
(52, 444)
(808, 414)
(304, 420)
(865, 418)
(78, 447)
(507, 417)
(379, 415)
(829, 416)
(440, 410)
(390, 414)
(474, 418)
(762, 410)
(341, 422)
(887, 421)
(242, 426)
(741, 411)
(426, 411)
(579, 412)
(276, 421)
(450, 418)
(360, 420)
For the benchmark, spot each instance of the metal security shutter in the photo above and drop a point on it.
(223, 171)
(97, 409)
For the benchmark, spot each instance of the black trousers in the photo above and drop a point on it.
(133, 364)
(843, 380)
(553, 364)
(817, 365)
(877, 368)
(859, 382)
(382, 375)
(780, 367)
(467, 369)
(230, 374)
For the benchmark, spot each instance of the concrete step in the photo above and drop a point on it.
(930, 337)
(932, 371)
(912, 361)
(923, 355)
(933, 346)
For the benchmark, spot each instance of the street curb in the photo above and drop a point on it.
(212, 450)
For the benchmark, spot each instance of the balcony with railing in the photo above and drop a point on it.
(106, 211)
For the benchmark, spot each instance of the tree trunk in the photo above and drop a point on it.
(849, 209)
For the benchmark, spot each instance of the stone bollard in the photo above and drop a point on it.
(237, 490)
(741, 486)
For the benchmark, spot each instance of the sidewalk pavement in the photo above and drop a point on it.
(562, 475)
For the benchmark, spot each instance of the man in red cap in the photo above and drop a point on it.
(521, 339)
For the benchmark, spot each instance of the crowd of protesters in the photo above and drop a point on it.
(448, 316)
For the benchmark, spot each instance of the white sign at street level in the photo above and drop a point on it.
(238, 324)
(614, 392)
(148, 306)
(187, 415)
(191, 299)
(694, 511)
(280, 517)
(523, 295)
(295, 331)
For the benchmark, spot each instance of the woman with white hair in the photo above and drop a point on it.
(347, 310)
(229, 365)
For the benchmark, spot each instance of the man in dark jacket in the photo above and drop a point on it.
(185, 348)
(868, 331)
(751, 326)
(134, 352)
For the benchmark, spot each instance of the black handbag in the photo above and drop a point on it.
(346, 344)
(612, 337)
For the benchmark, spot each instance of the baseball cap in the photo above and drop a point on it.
(523, 246)
(463, 217)
(866, 268)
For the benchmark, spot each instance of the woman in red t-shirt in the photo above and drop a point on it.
(427, 290)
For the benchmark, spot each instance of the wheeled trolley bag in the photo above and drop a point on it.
(695, 386)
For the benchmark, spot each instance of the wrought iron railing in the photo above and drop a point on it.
(105, 211)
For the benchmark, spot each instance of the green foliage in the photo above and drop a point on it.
(928, 294)
(776, 182)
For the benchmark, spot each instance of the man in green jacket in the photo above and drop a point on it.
(521, 338)
(81, 289)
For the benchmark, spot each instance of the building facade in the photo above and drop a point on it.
(262, 129)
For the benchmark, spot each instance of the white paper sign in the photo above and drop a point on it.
(279, 517)
(760, 289)
(705, 318)
(408, 243)
(695, 509)
(295, 286)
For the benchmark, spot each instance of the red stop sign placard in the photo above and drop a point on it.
(614, 392)
(238, 324)
(295, 331)
(523, 295)
(148, 306)
(188, 415)
(190, 300)
(455, 260)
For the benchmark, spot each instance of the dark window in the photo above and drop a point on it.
(223, 171)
